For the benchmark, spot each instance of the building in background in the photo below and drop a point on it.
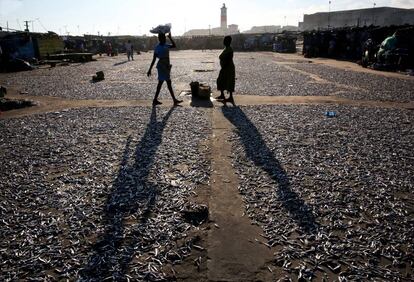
(224, 29)
(30, 45)
(264, 29)
(381, 16)
(271, 29)
(198, 32)
(233, 29)
(223, 22)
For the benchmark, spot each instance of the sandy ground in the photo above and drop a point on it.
(46, 104)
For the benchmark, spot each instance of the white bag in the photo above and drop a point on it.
(166, 28)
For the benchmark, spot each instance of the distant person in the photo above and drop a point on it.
(2, 60)
(331, 47)
(129, 50)
(109, 49)
(227, 76)
(82, 47)
(387, 48)
(162, 52)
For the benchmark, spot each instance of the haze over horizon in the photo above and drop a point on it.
(136, 17)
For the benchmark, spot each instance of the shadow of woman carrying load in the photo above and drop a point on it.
(133, 193)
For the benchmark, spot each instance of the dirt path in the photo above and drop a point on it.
(233, 251)
(46, 104)
(244, 100)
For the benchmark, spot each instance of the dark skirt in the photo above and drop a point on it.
(164, 72)
(227, 79)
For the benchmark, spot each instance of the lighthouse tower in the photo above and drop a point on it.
(223, 24)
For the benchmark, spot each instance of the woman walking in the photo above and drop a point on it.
(227, 76)
(162, 52)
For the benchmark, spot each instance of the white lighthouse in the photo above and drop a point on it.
(223, 22)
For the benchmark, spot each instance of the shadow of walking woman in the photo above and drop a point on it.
(133, 193)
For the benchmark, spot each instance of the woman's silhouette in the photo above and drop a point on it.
(162, 52)
(227, 76)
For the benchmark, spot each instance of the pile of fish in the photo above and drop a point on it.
(366, 86)
(334, 196)
(256, 74)
(103, 194)
(123, 80)
(99, 194)
(261, 75)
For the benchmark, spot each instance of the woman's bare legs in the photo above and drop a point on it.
(230, 99)
(221, 97)
(157, 93)
(176, 101)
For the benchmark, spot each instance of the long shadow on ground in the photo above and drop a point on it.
(120, 63)
(257, 151)
(133, 193)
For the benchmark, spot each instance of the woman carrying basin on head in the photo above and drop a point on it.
(162, 52)
(227, 76)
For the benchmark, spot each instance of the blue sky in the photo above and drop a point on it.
(136, 17)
